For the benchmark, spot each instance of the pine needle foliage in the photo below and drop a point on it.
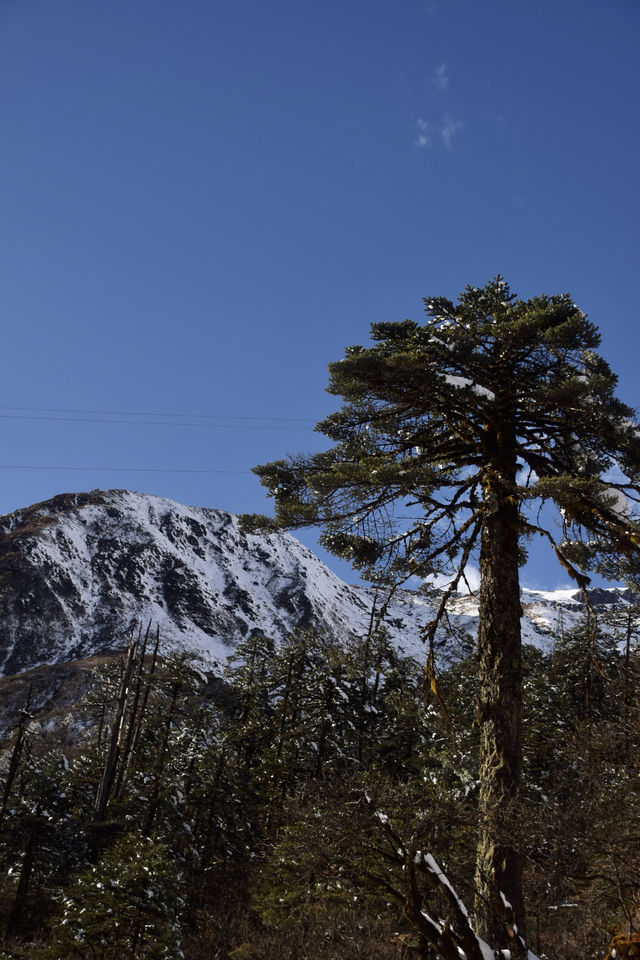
(125, 906)
(450, 434)
(419, 429)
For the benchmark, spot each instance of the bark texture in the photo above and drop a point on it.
(498, 861)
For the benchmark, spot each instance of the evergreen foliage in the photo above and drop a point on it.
(127, 905)
(420, 422)
(449, 434)
(257, 851)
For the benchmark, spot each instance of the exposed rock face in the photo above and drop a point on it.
(77, 572)
(47, 692)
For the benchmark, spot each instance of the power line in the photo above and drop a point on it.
(147, 413)
(19, 466)
(150, 423)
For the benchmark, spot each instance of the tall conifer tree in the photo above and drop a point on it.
(464, 423)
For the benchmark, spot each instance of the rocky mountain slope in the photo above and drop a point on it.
(77, 572)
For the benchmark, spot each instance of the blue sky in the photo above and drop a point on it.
(204, 202)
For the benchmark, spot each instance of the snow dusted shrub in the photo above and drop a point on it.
(126, 906)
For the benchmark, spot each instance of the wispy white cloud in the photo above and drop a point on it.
(449, 129)
(427, 132)
(423, 134)
(441, 78)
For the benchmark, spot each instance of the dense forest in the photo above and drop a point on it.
(273, 811)
(319, 800)
(452, 438)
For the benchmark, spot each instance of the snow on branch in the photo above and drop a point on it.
(462, 382)
(453, 937)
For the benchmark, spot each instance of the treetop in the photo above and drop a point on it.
(490, 386)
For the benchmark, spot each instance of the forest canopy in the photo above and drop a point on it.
(449, 435)
(428, 407)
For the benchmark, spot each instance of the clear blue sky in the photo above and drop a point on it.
(203, 203)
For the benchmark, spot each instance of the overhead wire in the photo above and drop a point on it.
(22, 466)
(150, 423)
(148, 413)
(107, 416)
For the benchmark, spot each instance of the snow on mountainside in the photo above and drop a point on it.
(79, 570)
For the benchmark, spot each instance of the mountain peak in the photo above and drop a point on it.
(78, 572)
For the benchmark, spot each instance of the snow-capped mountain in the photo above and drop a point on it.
(77, 572)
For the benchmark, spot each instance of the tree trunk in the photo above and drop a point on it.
(161, 774)
(138, 713)
(16, 753)
(108, 774)
(28, 863)
(499, 707)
